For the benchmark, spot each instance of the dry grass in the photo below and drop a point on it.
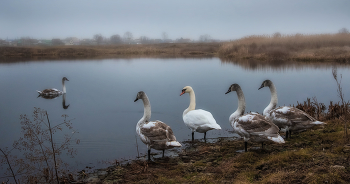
(322, 47)
(144, 50)
(289, 47)
(314, 156)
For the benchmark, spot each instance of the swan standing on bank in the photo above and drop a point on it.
(197, 120)
(53, 91)
(252, 126)
(155, 134)
(288, 119)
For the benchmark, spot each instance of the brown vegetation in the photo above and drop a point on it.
(324, 47)
(35, 157)
(298, 47)
(166, 49)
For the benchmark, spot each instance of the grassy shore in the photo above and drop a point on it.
(322, 47)
(318, 155)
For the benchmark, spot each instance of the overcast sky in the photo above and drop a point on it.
(221, 19)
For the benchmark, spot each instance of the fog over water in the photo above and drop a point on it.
(188, 19)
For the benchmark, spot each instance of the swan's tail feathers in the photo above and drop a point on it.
(173, 144)
(318, 123)
(216, 126)
(277, 139)
(38, 91)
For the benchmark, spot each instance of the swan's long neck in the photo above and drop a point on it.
(147, 109)
(192, 105)
(274, 100)
(241, 105)
(64, 87)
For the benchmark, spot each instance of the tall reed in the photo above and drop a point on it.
(296, 47)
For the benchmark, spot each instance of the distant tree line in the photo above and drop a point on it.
(126, 38)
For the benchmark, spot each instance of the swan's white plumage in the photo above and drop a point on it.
(149, 124)
(197, 120)
(200, 121)
(278, 139)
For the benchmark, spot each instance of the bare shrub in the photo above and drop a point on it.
(313, 108)
(277, 35)
(343, 31)
(339, 110)
(39, 161)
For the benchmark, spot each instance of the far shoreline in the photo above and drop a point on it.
(301, 48)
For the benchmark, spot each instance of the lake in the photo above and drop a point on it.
(101, 94)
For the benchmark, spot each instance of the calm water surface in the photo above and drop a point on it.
(101, 93)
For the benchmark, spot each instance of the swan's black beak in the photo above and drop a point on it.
(67, 80)
(136, 99)
(229, 90)
(262, 85)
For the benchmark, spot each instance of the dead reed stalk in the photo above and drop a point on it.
(345, 112)
(9, 165)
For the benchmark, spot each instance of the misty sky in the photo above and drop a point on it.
(221, 19)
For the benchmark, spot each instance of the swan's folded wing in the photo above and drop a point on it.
(170, 134)
(293, 114)
(256, 123)
(199, 118)
(52, 90)
(155, 130)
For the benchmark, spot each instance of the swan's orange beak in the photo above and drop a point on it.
(183, 92)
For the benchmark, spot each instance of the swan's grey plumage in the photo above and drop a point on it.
(288, 119)
(155, 134)
(53, 92)
(197, 120)
(252, 126)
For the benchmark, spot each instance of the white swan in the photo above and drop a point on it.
(252, 126)
(197, 120)
(288, 119)
(155, 134)
(53, 92)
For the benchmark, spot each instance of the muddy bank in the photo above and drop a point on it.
(318, 155)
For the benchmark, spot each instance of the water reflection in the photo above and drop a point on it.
(64, 102)
(282, 65)
(53, 96)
